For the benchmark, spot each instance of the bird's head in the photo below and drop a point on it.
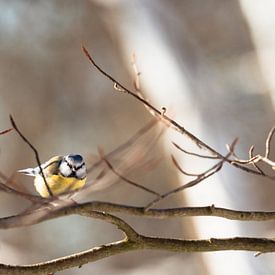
(74, 166)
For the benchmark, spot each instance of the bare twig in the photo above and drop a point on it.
(213, 170)
(251, 155)
(137, 73)
(194, 154)
(255, 159)
(268, 140)
(137, 88)
(168, 120)
(6, 131)
(181, 170)
(200, 177)
(6, 188)
(124, 178)
(126, 144)
(35, 152)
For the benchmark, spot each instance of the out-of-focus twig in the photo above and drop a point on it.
(110, 166)
(6, 131)
(268, 141)
(181, 170)
(132, 140)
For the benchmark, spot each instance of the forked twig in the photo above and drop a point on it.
(35, 152)
(201, 177)
(255, 159)
(168, 120)
(251, 155)
(191, 183)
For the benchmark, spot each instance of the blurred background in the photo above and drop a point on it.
(211, 63)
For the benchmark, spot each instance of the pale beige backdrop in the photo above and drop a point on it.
(198, 58)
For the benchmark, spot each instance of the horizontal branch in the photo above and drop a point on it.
(74, 260)
(262, 245)
(175, 245)
(169, 212)
(33, 217)
(133, 240)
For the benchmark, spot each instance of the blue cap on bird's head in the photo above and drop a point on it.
(74, 158)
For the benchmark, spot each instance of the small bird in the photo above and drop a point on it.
(62, 173)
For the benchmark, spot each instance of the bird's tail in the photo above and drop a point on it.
(28, 172)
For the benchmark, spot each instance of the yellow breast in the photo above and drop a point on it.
(58, 185)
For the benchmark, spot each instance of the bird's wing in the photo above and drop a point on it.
(49, 167)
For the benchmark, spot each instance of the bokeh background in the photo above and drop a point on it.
(211, 63)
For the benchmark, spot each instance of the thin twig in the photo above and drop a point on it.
(126, 144)
(171, 122)
(137, 73)
(201, 177)
(194, 154)
(29, 197)
(255, 159)
(213, 170)
(124, 178)
(6, 131)
(137, 88)
(251, 155)
(181, 170)
(35, 152)
(268, 140)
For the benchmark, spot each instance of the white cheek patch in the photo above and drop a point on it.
(64, 169)
(81, 172)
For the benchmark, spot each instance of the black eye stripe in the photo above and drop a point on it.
(76, 168)
(69, 164)
(79, 167)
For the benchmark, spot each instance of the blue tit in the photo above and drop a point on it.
(62, 173)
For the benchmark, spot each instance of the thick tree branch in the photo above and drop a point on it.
(48, 212)
(74, 260)
(261, 245)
